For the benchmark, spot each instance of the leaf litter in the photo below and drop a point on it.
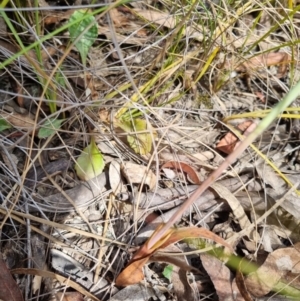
(142, 101)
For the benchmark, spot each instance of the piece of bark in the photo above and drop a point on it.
(167, 198)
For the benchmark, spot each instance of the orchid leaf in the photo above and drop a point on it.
(82, 32)
(140, 134)
(49, 127)
(4, 125)
(90, 163)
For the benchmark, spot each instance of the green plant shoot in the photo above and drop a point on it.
(167, 272)
(138, 139)
(90, 163)
(4, 125)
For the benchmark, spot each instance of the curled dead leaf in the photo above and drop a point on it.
(115, 179)
(133, 273)
(24, 122)
(228, 143)
(181, 166)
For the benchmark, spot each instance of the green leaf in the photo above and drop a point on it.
(141, 143)
(4, 125)
(90, 163)
(167, 272)
(49, 127)
(87, 37)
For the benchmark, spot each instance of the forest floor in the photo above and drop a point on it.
(112, 114)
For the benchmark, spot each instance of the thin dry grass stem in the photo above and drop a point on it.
(71, 202)
(16, 215)
(19, 189)
(278, 203)
(266, 159)
(153, 158)
(66, 281)
(102, 248)
(237, 236)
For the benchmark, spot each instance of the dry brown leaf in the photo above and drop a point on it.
(54, 16)
(115, 178)
(266, 60)
(22, 122)
(69, 296)
(236, 208)
(220, 275)
(274, 270)
(204, 156)
(164, 19)
(228, 143)
(236, 292)
(157, 17)
(9, 290)
(181, 166)
(118, 18)
(139, 174)
(263, 61)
